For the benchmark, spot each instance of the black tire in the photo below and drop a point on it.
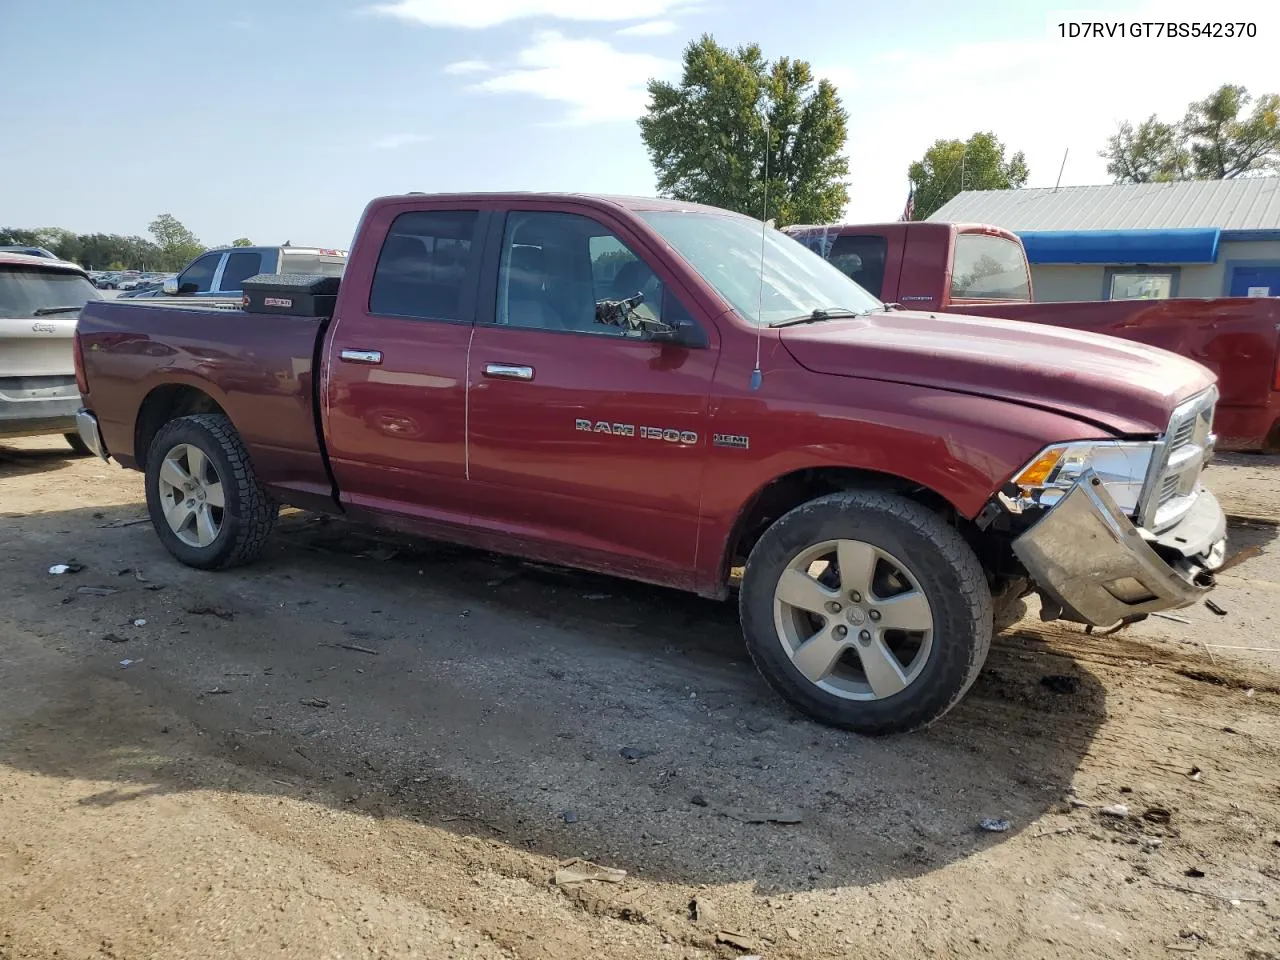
(77, 445)
(948, 574)
(249, 513)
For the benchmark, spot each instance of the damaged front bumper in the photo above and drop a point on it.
(1097, 568)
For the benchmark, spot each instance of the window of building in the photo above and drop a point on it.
(1144, 285)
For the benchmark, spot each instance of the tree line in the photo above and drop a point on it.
(733, 114)
(170, 248)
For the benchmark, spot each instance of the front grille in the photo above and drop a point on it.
(1186, 430)
(1174, 481)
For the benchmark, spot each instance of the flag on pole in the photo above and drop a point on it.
(909, 210)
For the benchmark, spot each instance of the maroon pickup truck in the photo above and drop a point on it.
(683, 396)
(980, 269)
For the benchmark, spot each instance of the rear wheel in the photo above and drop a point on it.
(204, 499)
(78, 446)
(866, 611)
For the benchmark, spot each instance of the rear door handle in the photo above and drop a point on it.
(508, 371)
(361, 356)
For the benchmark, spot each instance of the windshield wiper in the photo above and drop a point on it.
(817, 316)
(49, 311)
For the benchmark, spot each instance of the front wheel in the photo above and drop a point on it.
(866, 611)
(204, 499)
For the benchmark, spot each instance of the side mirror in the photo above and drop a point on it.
(678, 335)
(170, 286)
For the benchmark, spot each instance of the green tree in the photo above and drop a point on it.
(242, 242)
(1217, 139)
(706, 136)
(1223, 143)
(950, 166)
(1153, 152)
(177, 244)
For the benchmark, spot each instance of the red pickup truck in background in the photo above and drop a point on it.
(668, 393)
(980, 269)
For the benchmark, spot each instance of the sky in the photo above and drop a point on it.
(279, 119)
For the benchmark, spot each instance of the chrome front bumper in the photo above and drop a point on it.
(1090, 559)
(87, 427)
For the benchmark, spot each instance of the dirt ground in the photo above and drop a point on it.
(378, 747)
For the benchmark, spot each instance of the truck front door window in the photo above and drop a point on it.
(239, 268)
(986, 267)
(557, 269)
(200, 274)
(423, 266)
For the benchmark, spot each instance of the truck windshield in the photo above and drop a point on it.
(989, 268)
(25, 291)
(725, 249)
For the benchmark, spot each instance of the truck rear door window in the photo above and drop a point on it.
(989, 268)
(423, 265)
(861, 259)
(239, 268)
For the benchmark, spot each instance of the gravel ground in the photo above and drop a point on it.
(373, 746)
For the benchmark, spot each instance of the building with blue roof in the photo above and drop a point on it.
(1195, 238)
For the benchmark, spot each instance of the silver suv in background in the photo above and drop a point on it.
(40, 301)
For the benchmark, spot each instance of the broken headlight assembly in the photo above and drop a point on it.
(1122, 466)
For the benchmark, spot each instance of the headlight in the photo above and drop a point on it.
(1121, 466)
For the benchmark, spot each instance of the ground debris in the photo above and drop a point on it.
(577, 871)
(314, 702)
(1061, 683)
(58, 569)
(131, 522)
(992, 825)
(96, 591)
(355, 647)
(783, 817)
(739, 941)
(209, 610)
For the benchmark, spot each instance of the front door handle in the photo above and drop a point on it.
(508, 371)
(361, 356)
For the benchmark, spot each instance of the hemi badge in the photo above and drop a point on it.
(731, 440)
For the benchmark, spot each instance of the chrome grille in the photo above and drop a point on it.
(1174, 480)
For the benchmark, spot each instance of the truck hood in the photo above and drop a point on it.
(1122, 386)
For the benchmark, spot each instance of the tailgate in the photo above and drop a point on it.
(38, 310)
(37, 347)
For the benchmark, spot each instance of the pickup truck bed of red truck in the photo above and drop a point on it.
(628, 386)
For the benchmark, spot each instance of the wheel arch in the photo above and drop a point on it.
(787, 491)
(165, 403)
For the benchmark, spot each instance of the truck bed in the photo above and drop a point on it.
(259, 370)
(1237, 338)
